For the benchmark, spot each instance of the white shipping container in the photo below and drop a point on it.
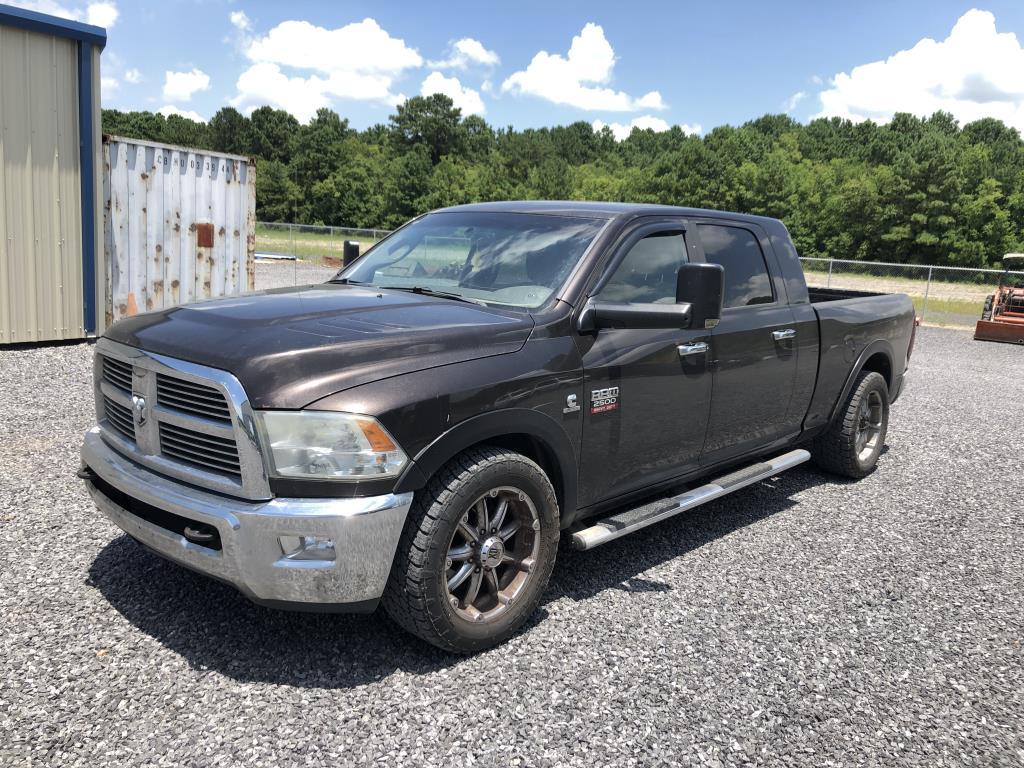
(179, 225)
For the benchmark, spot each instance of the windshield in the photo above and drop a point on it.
(507, 259)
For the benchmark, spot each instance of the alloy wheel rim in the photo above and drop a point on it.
(869, 425)
(492, 554)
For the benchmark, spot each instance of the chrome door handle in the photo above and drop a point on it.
(692, 349)
(785, 333)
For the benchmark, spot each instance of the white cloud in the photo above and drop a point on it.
(359, 47)
(267, 84)
(466, 99)
(108, 85)
(466, 52)
(169, 109)
(579, 79)
(793, 101)
(975, 72)
(621, 131)
(241, 38)
(181, 86)
(358, 61)
(240, 21)
(101, 14)
(133, 76)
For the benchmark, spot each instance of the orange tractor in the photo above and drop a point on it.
(1003, 316)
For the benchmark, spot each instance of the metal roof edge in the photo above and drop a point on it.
(109, 137)
(43, 23)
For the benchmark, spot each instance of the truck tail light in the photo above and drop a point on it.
(913, 336)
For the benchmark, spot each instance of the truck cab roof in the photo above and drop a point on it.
(599, 210)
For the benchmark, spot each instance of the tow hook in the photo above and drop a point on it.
(85, 474)
(200, 534)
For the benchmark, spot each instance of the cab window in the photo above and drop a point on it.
(647, 274)
(746, 273)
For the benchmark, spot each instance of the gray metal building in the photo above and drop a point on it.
(50, 177)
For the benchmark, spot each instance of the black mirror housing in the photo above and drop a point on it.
(608, 314)
(701, 287)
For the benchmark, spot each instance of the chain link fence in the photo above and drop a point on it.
(301, 254)
(950, 297)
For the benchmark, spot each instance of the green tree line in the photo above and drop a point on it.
(924, 191)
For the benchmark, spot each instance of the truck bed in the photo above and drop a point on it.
(821, 295)
(853, 325)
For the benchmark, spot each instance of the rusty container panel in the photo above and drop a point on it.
(179, 225)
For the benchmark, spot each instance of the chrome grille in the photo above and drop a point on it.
(185, 421)
(191, 397)
(119, 417)
(204, 450)
(117, 373)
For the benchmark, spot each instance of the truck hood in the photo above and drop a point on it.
(292, 346)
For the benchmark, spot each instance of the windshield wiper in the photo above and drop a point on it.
(424, 291)
(347, 281)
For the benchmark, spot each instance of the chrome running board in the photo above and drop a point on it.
(622, 523)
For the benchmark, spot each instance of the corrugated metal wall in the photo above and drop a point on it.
(179, 225)
(40, 193)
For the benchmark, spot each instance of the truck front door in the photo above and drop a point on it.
(646, 392)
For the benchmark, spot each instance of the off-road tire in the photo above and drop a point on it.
(416, 596)
(836, 449)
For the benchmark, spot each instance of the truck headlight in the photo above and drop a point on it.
(329, 446)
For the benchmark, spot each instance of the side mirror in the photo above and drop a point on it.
(701, 287)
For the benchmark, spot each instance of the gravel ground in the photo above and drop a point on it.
(285, 273)
(801, 621)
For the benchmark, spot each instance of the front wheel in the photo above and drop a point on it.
(854, 441)
(476, 553)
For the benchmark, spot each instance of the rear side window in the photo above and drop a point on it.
(647, 274)
(746, 273)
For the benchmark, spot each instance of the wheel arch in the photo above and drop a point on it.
(879, 362)
(877, 357)
(522, 430)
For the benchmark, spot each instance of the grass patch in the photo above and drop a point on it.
(948, 313)
(310, 244)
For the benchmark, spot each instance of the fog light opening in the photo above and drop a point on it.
(307, 548)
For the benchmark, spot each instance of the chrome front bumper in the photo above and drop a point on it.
(364, 531)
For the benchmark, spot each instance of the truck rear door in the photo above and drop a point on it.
(753, 355)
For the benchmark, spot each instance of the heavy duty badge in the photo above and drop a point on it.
(604, 400)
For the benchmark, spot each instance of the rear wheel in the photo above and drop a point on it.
(476, 553)
(854, 441)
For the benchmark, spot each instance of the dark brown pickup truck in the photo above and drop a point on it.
(423, 428)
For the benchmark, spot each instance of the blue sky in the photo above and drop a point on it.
(541, 63)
